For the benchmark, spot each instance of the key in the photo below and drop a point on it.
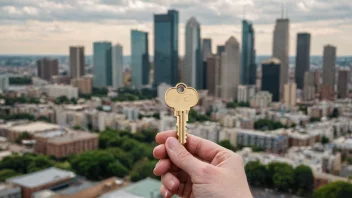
(181, 98)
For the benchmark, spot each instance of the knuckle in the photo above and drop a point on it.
(238, 158)
(207, 170)
(183, 155)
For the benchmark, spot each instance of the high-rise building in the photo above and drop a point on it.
(220, 49)
(329, 61)
(47, 68)
(4, 82)
(342, 86)
(290, 94)
(309, 87)
(139, 58)
(206, 48)
(84, 84)
(193, 65)
(248, 65)
(327, 92)
(102, 64)
(302, 58)
(281, 49)
(230, 69)
(271, 77)
(77, 61)
(166, 48)
(213, 65)
(117, 66)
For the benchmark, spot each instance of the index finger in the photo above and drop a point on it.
(197, 146)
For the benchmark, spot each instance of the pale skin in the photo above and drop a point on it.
(200, 168)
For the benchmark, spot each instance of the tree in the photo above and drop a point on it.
(282, 176)
(227, 144)
(23, 136)
(77, 127)
(142, 170)
(265, 124)
(7, 173)
(40, 163)
(334, 190)
(313, 119)
(256, 173)
(335, 113)
(303, 180)
(324, 140)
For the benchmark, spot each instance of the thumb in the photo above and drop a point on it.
(182, 158)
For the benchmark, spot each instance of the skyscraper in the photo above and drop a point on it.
(281, 49)
(77, 61)
(139, 58)
(166, 48)
(220, 49)
(193, 65)
(117, 66)
(342, 86)
(47, 68)
(213, 66)
(248, 65)
(102, 64)
(271, 77)
(310, 86)
(206, 48)
(230, 69)
(302, 58)
(329, 61)
(290, 94)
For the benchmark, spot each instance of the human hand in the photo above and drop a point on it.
(199, 169)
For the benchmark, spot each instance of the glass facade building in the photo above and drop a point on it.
(139, 58)
(302, 58)
(271, 78)
(248, 65)
(166, 48)
(102, 64)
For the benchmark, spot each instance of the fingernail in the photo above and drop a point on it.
(172, 143)
(166, 194)
(156, 165)
(172, 184)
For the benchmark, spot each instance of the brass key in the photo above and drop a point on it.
(181, 98)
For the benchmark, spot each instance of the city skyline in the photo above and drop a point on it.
(49, 27)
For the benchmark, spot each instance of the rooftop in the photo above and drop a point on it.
(41, 178)
(34, 127)
(72, 136)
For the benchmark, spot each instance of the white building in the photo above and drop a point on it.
(230, 69)
(61, 90)
(206, 130)
(162, 88)
(261, 100)
(131, 113)
(10, 191)
(167, 122)
(308, 93)
(245, 93)
(4, 82)
(290, 94)
(117, 66)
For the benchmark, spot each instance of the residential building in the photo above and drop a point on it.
(327, 92)
(166, 48)
(245, 93)
(230, 69)
(84, 84)
(206, 49)
(261, 100)
(248, 65)
(309, 87)
(56, 90)
(140, 58)
(102, 64)
(131, 113)
(117, 66)
(10, 191)
(302, 58)
(290, 94)
(342, 86)
(77, 64)
(206, 130)
(344, 144)
(329, 61)
(281, 51)
(271, 77)
(66, 80)
(193, 65)
(45, 179)
(213, 74)
(47, 68)
(4, 82)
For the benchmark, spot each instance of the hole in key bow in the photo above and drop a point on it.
(181, 88)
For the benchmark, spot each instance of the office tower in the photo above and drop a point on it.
(166, 48)
(245, 93)
(290, 94)
(271, 77)
(139, 58)
(281, 49)
(102, 64)
(248, 65)
(329, 61)
(327, 92)
(193, 65)
(117, 66)
(213, 66)
(180, 69)
(77, 61)
(342, 86)
(47, 68)
(206, 48)
(302, 58)
(309, 87)
(220, 49)
(230, 69)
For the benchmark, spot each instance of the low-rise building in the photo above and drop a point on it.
(84, 84)
(245, 93)
(10, 191)
(57, 90)
(261, 100)
(344, 144)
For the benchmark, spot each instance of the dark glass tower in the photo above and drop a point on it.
(139, 58)
(271, 78)
(166, 48)
(248, 66)
(102, 64)
(302, 58)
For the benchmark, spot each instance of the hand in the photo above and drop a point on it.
(200, 169)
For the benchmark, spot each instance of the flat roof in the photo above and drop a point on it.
(72, 136)
(42, 177)
(34, 127)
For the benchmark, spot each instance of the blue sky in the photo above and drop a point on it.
(50, 26)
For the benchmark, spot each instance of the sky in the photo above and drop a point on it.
(51, 26)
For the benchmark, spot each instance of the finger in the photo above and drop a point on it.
(182, 158)
(162, 167)
(159, 152)
(170, 182)
(162, 136)
(165, 192)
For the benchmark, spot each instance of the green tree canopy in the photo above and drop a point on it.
(227, 144)
(281, 176)
(7, 173)
(142, 170)
(334, 190)
(304, 180)
(256, 173)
